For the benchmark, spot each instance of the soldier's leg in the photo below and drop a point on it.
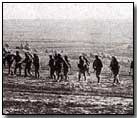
(25, 71)
(61, 76)
(97, 75)
(20, 68)
(38, 74)
(65, 74)
(9, 68)
(54, 76)
(88, 71)
(29, 70)
(114, 78)
(58, 74)
(84, 74)
(51, 73)
(15, 69)
(118, 82)
(4, 62)
(35, 72)
(79, 75)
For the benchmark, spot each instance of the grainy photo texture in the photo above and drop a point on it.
(68, 58)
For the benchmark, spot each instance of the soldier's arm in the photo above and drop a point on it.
(101, 64)
(69, 64)
(94, 67)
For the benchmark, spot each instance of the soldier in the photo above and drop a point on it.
(9, 58)
(66, 66)
(4, 54)
(114, 65)
(87, 64)
(52, 67)
(17, 59)
(59, 67)
(81, 68)
(131, 68)
(28, 62)
(97, 66)
(36, 65)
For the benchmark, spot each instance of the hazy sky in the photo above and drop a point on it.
(68, 11)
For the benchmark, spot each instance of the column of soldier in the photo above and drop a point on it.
(59, 66)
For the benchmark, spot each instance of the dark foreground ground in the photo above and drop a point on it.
(43, 96)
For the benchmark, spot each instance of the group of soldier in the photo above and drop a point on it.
(18, 61)
(59, 66)
(97, 66)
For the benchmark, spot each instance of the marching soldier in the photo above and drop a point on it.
(36, 65)
(52, 67)
(87, 64)
(97, 66)
(59, 67)
(17, 59)
(28, 62)
(9, 58)
(66, 66)
(81, 68)
(114, 65)
(131, 68)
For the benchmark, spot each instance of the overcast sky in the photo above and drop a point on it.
(68, 11)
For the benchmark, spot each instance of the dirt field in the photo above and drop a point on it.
(44, 96)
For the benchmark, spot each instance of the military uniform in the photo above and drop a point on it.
(28, 63)
(114, 65)
(66, 66)
(10, 59)
(52, 67)
(36, 65)
(86, 64)
(59, 67)
(81, 68)
(97, 66)
(17, 59)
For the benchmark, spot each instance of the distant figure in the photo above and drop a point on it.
(55, 55)
(131, 68)
(6, 45)
(59, 67)
(81, 68)
(66, 66)
(28, 62)
(97, 66)
(87, 64)
(4, 54)
(52, 67)
(114, 65)
(21, 46)
(26, 46)
(9, 58)
(17, 59)
(36, 65)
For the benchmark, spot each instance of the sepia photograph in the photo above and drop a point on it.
(67, 58)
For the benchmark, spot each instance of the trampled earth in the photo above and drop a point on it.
(44, 96)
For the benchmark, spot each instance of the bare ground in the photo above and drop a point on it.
(44, 96)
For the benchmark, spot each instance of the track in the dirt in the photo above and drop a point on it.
(43, 96)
